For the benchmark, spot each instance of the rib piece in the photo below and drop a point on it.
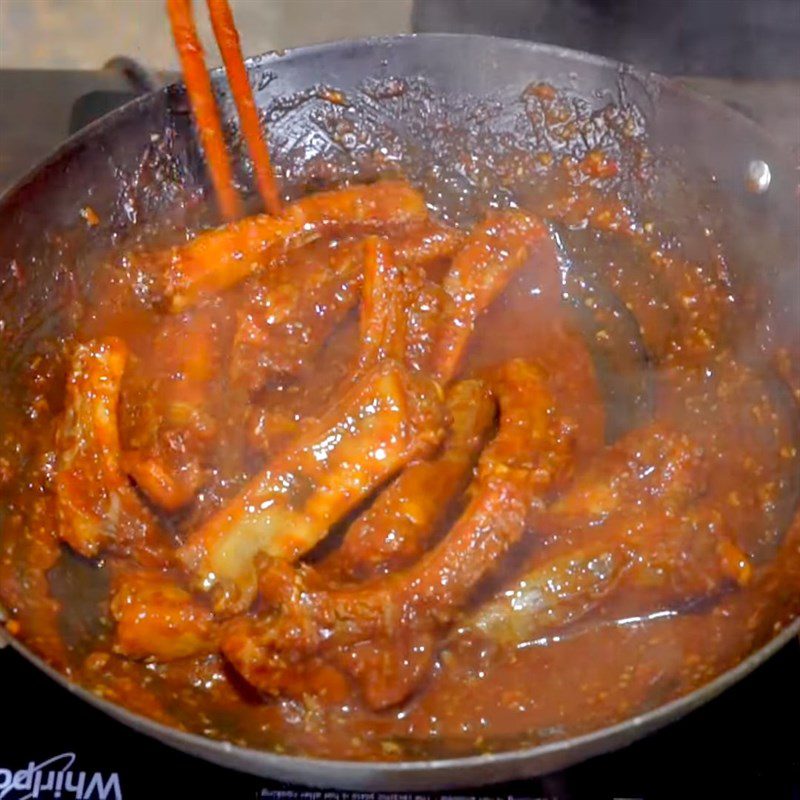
(534, 445)
(427, 243)
(382, 323)
(638, 488)
(667, 562)
(280, 414)
(397, 528)
(292, 311)
(387, 419)
(311, 618)
(426, 306)
(159, 620)
(96, 506)
(265, 651)
(552, 593)
(654, 462)
(297, 305)
(167, 420)
(679, 559)
(631, 519)
(420, 253)
(164, 483)
(218, 259)
(480, 271)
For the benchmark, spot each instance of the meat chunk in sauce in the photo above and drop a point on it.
(158, 620)
(292, 310)
(479, 272)
(387, 419)
(382, 331)
(656, 462)
(219, 259)
(398, 526)
(624, 523)
(97, 507)
(528, 456)
(168, 422)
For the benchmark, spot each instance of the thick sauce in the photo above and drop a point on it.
(601, 562)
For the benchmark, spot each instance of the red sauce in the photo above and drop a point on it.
(624, 568)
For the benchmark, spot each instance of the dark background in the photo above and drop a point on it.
(716, 38)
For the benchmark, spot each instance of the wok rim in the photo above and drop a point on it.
(645, 723)
(464, 770)
(647, 78)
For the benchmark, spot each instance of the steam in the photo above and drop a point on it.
(754, 39)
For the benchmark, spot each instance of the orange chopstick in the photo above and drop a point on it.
(228, 40)
(204, 107)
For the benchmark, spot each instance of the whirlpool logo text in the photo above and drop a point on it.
(55, 778)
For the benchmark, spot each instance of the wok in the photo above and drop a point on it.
(417, 97)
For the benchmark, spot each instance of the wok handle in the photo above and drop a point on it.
(140, 79)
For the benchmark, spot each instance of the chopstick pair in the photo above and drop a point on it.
(204, 106)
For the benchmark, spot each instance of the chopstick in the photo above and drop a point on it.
(204, 106)
(228, 41)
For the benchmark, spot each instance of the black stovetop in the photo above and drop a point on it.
(744, 744)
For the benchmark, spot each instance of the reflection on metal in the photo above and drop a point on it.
(758, 176)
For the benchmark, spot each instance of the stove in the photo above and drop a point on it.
(744, 744)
